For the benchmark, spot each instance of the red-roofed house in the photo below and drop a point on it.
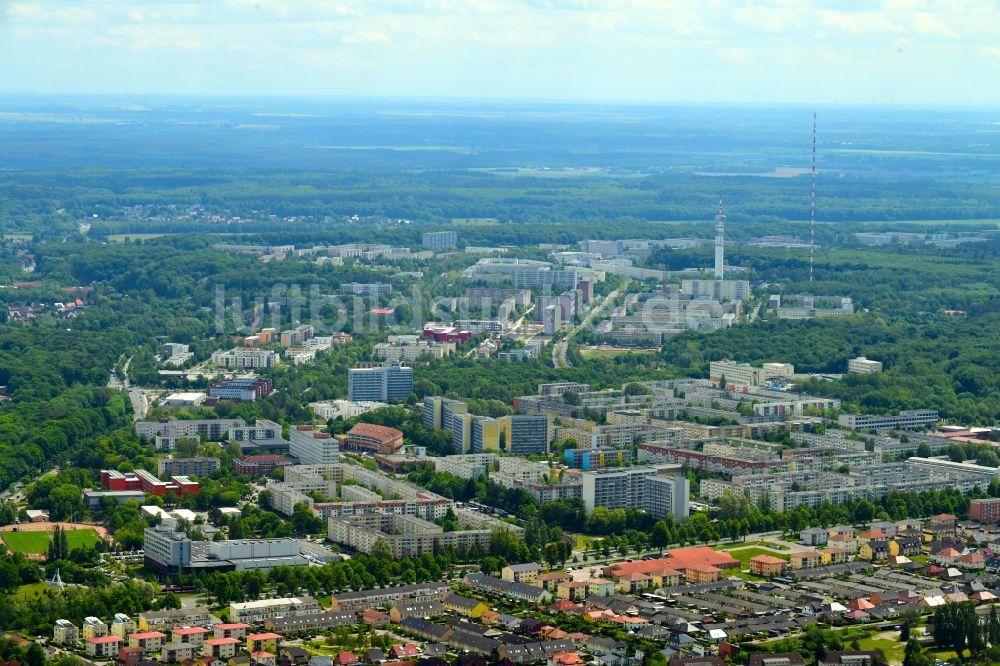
(566, 606)
(697, 573)
(103, 646)
(565, 659)
(149, 641)
(971, 561)
(220, 648)
(231, 630)
(405, 651)
(266, 641)
(193, 635)
(264, 658)
(346, 659)
(806, 559)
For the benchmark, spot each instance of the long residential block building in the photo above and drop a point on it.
(388, 383)
(904, 420)
(246, 359)
(658, 489)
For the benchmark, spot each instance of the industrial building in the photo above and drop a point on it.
(168, 551)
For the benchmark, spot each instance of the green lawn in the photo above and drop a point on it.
(31, 591)
(744, 554)
(38, 542)
(596, 352)
(893, 649)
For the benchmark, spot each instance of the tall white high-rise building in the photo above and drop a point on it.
(720, 243)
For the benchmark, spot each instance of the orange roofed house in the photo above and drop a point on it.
(698, 564)
(767, 565)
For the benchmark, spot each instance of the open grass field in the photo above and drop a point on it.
(121, 238)
(611, 352)
(32, 591)
(38, 542)
(474, 220)
(769, 545)
(744, 554)
(886, 642)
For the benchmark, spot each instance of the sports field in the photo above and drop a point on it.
(38, 542)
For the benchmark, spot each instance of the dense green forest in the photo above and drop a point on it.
(50, 203)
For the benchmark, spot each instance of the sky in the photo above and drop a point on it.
(895, 52)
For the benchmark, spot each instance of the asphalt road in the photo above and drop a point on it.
(560, 358)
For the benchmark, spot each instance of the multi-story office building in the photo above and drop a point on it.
(439, 240)
(259, 465)
(651, 488)
(525, 434)
(242, 389)
(474, 434)
(211, 429)
(485, 435)
(200, 466)
(165, 548)
(479, 325)
(736, 375)
(365, 289)
(913, 418)
(246, 359)
(169, 550)
(720, 290)
(175, 353)
(387, 383)
(438, 411)
(864, 366)
(344, 409)
(312, 447)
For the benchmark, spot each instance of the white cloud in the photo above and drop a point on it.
(146, 38)
(859, 22)
(990, 52)
(928, 25)
(46, 13)
(771, 19)
(360, 38)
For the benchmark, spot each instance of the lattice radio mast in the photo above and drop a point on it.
(812, 218)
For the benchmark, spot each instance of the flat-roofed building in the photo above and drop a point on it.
(904, 420)
(864, 366)
(313, 447)
(258, 612)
